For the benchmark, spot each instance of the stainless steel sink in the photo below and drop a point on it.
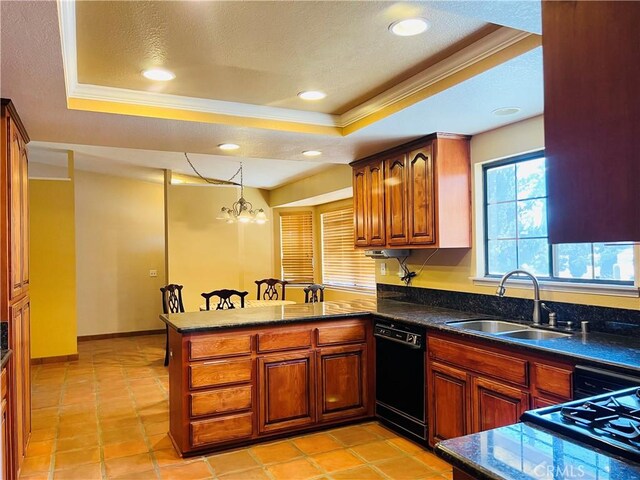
(489, 326)
(532, 334)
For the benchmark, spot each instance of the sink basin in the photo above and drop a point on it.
(489, 326)
(531, 334)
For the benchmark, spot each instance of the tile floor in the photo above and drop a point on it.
(105, 416)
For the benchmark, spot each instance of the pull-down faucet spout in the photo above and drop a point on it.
(536, 291)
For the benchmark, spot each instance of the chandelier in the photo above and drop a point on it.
(242, 211)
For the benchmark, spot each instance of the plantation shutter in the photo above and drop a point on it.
(296, 240)
(342, 264)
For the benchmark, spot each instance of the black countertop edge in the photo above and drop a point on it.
(460, 462)
(4, 356)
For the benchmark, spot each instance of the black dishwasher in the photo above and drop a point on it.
(400, 378)
(590, 381)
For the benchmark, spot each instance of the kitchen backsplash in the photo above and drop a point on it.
(4, 335)
(601, 319)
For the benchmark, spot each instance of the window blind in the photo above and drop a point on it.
(296, 240)
(342, 264)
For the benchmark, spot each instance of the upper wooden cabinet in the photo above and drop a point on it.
(592, 120)
(415, 195)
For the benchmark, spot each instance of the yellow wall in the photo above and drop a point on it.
(336, 178)
(205, 254)
(53, 268)
(454, 269)
(120, 237)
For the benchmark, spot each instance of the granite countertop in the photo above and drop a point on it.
(523, 451)
(600, 349)
(5, 353)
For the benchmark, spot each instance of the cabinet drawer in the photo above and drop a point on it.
(221, 400)
(220, 372)
(211, 346)
(336, 334)
(284, 340)
(553, 380)
(504, 367)
(222, 429)
(3, 383)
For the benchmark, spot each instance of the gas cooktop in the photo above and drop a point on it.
(610, 422)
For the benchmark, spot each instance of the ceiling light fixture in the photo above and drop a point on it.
(158, 74)
(312, 153)
(228, 146)
(504, 111)
(242, 211)
(409, 27)
(312, 95)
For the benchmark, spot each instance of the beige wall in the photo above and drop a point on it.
(454, 269)
(335, 178)
(205, 254)
(119, 238)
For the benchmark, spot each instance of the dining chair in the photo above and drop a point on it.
(224, 297)
(271, 292)
(313, 293)
(171, 303)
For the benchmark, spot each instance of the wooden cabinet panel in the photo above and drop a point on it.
(448, 395)
(287, 393)
(221, 429)
(495, 404)
(395, 171)
(360, 210)
(284, 339)
(212, 346)
(421, 199)
(221, 400)
(375, 204)
(21, 382)
(4, 430)
(540, 402)
(336, 334)
(342, 382)
(220, 372)
(552, 380)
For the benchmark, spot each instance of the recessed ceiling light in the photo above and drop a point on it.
(409, 27)
(312, 95)
(159, 74)
(504, 111)
(312, 153)
(228, 146)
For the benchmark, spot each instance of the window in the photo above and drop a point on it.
(516, 230)
(296, 247)
(342, 264)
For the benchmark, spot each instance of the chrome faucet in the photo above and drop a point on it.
(536, 291)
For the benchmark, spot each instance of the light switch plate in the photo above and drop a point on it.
(383, 268)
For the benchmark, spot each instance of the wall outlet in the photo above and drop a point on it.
(383, 268)
(153, 273)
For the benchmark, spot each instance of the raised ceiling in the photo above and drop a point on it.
(74, 74)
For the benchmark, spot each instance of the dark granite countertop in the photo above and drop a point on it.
(601, 349)
(524, 452)
(5, 353)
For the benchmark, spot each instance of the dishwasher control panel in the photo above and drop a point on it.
(398, 333)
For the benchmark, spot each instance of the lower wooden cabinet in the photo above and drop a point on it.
(448, 402)
(6, 447)
(20, 383)
(495, 404)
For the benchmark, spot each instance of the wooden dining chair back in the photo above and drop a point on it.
(224, 298)
(271, 290)
(314, 293)
(171, 303)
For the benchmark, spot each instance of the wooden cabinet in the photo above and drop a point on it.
(14, 281)
(5, 453)
(241, 385)
(473, 386)
(425, 189)
(592, 120)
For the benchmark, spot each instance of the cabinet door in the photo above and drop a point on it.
(4, 468)
(360, 211)
(16, 226)
(448, 395)
(20, 313)
(396, 200)
(24, 191)
(342, 382)
(420, 204)
(375, 203)
(286, 390)
(495, 404)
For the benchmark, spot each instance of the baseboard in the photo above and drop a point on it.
(58, 359)
(105, 336)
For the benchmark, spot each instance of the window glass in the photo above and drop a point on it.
(296, 247)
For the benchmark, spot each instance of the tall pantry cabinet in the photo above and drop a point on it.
(14, 281)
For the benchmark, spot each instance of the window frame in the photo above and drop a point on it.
(313, 250)
(550, 279)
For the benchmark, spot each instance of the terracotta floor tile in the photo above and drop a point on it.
(124, 449)
(37, 449)
(118, 423)
(160, 442)
(192, 471)
(78, 442)
(232, 462)
(300, 469)
(32, 465)
(78, 417)
(146, 475)
(35, 476)
(131, 464)
(432, 461)
(356, 435)
(80, 472)
(405, 468)
(122, 434)
(255, 474)
(406, 445)
(41, 434)
(168, 457)
(313, 444)
(375, 451)
(156, 428)
(77, 457)
(364, 472)
(379, 430)
(276, 452)
(336, 460)
(77, 429)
